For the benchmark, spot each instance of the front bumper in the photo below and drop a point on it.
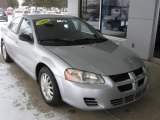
(104, 96)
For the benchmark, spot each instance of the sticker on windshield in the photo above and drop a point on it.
(42, 22)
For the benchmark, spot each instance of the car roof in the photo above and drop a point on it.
(41, 16)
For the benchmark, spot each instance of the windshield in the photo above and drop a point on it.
(66, 31)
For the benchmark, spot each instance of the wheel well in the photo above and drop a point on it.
(109, 22)
(38, 68)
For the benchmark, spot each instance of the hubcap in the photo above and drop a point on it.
(4, 51)
(108, 27)
(47, 87)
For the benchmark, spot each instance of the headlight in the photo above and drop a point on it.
(83, 77)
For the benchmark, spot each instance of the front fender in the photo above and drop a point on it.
(57, 70)
(57, 66)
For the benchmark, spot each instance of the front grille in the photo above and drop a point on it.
(128, 77)
(125, 76)
(124, 88)
(138, 71)
(120, 77)
(140, 82)
(138, 94)
(128, 99)
(117, 102)
(91, 102)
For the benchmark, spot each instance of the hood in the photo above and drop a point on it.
(106, 58)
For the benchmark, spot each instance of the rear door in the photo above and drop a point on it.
(11, 37)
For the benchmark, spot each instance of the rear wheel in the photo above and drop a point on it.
(109, 26)
(4, 52)
(49, 88)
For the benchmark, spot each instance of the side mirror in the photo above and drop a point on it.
(25, 37)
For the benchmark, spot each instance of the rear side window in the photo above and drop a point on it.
(14, 24)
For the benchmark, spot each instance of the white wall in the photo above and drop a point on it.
(140, 26)
(73, 7)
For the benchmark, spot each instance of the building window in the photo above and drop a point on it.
(91, 12)
(113, 19)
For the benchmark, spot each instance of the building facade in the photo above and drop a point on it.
(133, 23)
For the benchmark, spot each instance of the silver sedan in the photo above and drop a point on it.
(73, 63)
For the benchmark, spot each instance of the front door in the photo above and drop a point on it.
(26, 55)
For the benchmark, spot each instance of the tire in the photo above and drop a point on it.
(49, 87)
(109, 26)
(5, 54)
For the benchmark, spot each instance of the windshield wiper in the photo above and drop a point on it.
(68, 42)
(55, 40)
(90, 40)
(85, 40)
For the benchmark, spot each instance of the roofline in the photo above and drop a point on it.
(34, 17)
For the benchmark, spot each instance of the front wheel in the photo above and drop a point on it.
(4, 52)
(49, 87)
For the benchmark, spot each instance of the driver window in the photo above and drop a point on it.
(25, 27)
